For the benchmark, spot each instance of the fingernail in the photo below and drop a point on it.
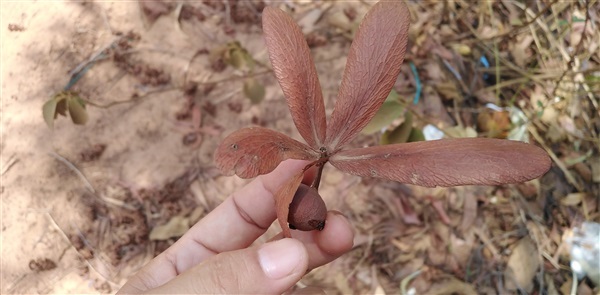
(280, 258)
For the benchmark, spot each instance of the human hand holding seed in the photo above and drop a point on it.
(215, 255)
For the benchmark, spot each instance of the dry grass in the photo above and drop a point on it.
(544, 62)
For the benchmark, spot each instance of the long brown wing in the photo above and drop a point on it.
(296, 73)
(372, 68)
(253, 151)
(447, 162)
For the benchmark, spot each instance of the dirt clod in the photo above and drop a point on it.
(92, 153)
(16, 28)
(189, 11)
(41, 264)
(155, 9)
(316, 39)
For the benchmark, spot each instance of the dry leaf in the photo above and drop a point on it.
(408, 214)
(595, 163)
(572, 199)
(340, 21)
(461, 49)
(434, 71)
(452, 286)
(522, 266)
(495, 124)
(520, 49)
(565, 288)
(197, 214)
(448, 90)
(577, 28)
(462, 249)
(379, 290)
(341, 283)
(568, 124)
(438, 206)
(308, 21)
(469, 211)
(176, 227)
(433, 107)
(555, 133)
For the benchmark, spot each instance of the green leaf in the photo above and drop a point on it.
(77, 110)
(62, 102)
(236, 58)
(400, 134)
(61, 106)
(416, 135)
(55, 106)
(592, 78)
(49, 112)
(390, 110)
(515, 22)
(460, 132)
(254, 90)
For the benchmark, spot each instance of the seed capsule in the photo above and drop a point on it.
(307, 210)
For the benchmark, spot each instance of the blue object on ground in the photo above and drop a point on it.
(418, 85)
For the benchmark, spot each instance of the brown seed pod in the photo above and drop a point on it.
(307, 210)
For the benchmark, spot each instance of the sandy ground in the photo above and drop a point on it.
(44, 201)
(40, 192)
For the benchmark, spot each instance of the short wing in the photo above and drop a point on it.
(447, 162)
(283, 198)
(372, 68)
(296, 73)
(253, 151)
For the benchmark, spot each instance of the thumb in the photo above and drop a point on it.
(270, 268)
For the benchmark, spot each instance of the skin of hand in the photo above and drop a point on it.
(216, 256)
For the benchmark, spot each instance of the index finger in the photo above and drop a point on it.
(236, 223)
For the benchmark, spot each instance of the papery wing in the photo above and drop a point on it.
(296, 73)
(283, 198)
(372, 68)
(253, 151)
(447, 162)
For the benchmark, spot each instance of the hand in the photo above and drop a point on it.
(215, 256)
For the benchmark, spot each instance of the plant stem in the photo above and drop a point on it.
(317, 179)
